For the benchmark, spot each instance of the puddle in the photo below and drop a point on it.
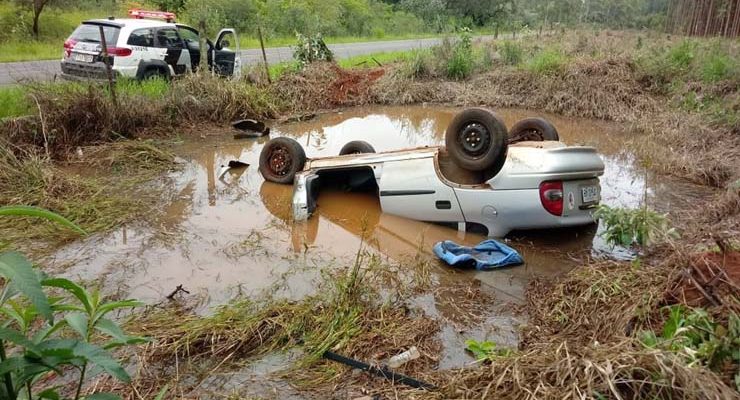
(229, 236)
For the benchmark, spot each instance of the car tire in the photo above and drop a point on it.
(535, 129)
(476, 140)
(356, 147)
(281, 158)
(153, 73)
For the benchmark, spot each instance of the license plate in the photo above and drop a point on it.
(88, 58)
(589, 194)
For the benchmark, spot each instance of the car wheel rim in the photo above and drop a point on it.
(280, 161)
(474, 138)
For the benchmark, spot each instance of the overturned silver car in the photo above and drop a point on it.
(484, 175)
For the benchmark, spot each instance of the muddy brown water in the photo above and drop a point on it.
(222, 237)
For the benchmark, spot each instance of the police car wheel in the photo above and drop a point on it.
(153, 73)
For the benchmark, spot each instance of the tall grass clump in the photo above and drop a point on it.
(418, 65)
(679, 57)
(462, 61)
(511, 53)
(547, 62)
(664, 65)
(718, 66)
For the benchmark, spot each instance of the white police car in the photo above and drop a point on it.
(147, 45)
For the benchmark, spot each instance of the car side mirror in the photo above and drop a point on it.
(224, 43)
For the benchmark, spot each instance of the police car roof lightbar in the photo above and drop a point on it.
(141, 14)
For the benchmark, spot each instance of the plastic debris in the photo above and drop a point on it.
(400, 359)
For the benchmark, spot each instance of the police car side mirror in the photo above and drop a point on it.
(223, 44)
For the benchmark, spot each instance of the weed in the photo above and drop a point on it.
(695, 335)
(547, 62)
(418, 65)
(511, 53)
(485, 350)
(681, 55)
(460, 65)
(626, 227)
(717, 66)
(310, 49)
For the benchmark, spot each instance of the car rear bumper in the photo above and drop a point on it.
(79, 71)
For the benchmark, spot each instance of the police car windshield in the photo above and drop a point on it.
(91, 33)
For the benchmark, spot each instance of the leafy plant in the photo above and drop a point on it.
(42, 335)
(627, 227)
(695, 335)
(485, 350)
(310, 49)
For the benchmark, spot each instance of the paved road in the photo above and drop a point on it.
(19, 72)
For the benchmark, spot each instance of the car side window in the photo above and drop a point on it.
(141, 37)
(192, 40)
(169, 38)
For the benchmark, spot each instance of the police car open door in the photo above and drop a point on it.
(226, 53)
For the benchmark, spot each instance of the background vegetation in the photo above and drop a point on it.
(337, 20)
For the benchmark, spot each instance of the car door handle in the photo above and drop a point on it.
(443, 205)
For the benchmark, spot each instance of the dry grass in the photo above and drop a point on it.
(558, 370)
(347, 315)
(197, 99)
(603, 89)
(92, 200)
(325, 85)
(684, 145)
(579, 344)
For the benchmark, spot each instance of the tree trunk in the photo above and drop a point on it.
(35, 27)
(38, 6)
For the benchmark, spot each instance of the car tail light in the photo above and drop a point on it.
(551, 196)
(119, 51)
(69, 44)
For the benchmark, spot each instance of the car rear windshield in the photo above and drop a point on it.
(91, 33)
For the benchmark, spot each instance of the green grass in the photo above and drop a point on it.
(718, 66)
(547, 62)
(30, 51)
(13, 102)
(151, 88)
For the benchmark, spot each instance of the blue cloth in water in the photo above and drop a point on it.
(488, 254)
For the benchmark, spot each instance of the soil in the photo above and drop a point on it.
(708, 278)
